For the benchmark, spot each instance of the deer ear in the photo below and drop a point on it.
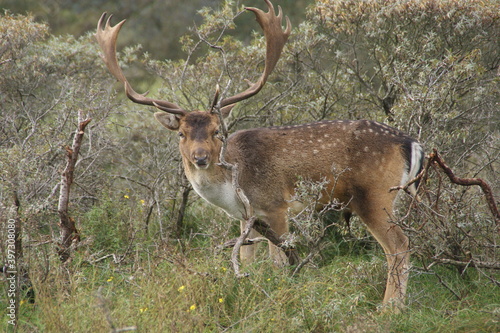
(168, 120)
(226, 111)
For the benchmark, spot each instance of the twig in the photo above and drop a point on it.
(315, 249)
(248, 241)
(230, 327)
(265, 229)
(239, 242)
(6, 61)
(470, 263)
(116, 259)
(447, 286)
(176, 261)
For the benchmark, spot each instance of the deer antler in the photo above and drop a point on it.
(275, 41)
(106, 36)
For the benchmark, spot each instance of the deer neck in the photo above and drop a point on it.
(214, 185)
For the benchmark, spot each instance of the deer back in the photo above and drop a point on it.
(357, 158)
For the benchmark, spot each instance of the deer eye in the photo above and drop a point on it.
(181, 135)
(217, 132)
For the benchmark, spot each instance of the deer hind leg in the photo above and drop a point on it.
(395, 245)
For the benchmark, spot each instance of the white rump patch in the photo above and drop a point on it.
(416, 163)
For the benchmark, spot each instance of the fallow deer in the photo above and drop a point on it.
(371, 156)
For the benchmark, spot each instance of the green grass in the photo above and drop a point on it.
(188, 285)
(163, 289)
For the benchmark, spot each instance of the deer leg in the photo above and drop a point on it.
(398, 264)
(247, 252)
(395, 245)
(279, 225)
(277, 255)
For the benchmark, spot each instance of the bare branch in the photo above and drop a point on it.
(488, 193)
(69, 233)
(470, 263)
(435, 158)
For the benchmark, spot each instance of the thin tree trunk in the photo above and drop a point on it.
(68, 231)
(182, 210)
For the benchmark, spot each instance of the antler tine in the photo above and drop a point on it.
(275, 41)
(106, 36)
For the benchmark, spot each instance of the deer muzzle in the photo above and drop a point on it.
(200, 159)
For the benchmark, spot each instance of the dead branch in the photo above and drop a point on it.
(435, 159)
(181, 262)
(411, 181)
(69, 233)
(488, 193)
(249, 223)
(248, 241)
(247, 215)
(470, 263)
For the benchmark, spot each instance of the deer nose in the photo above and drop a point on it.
(200, 157)
(201, 160)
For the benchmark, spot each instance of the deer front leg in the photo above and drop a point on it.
(247, 252)
(278, 223)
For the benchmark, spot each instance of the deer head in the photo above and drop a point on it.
(198, 130)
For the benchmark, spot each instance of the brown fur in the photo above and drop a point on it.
(361, 159)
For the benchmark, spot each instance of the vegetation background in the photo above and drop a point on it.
(148, 258)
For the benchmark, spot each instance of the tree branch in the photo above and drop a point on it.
(470, 263)
(69, 233)
(488, 193)
(435, 158)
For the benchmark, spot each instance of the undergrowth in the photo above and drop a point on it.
(160, 287)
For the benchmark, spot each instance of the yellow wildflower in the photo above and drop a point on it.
(221, 300)
(192, 307)
(126, 196)
(110, 279)
(181, 288)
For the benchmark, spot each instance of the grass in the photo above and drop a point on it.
(188, 286)
(163, 289)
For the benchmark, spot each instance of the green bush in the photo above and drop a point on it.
(427, 67)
